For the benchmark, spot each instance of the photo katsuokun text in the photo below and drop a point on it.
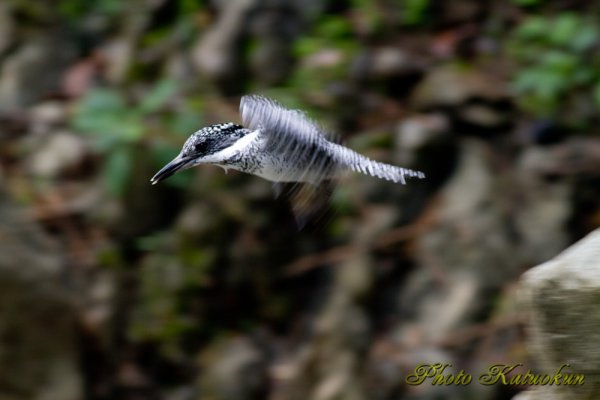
(441, 374)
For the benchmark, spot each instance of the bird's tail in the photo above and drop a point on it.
(350, 159)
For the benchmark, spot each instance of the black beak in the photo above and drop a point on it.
(177, 164)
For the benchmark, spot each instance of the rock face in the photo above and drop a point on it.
(562, 297)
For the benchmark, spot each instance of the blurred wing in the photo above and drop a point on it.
(280, 123)
(289, 133)
(310, 204)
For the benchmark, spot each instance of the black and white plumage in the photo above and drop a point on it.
(277, 144)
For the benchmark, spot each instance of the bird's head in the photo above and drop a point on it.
(202, 147)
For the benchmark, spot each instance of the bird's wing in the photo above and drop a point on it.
(290, 134)
(350, 159)
(279, 123)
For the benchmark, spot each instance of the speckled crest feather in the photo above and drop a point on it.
(213, 138)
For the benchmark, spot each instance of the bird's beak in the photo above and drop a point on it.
(179, 163)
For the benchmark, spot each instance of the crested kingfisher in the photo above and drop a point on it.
(277, 144)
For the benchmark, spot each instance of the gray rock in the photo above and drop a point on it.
(215, 53)
(545, 207)
(452, 85)
(323, 58)
(383, 62)
(271, 26)
(561, 297)
(6, 27)
(60, 151)
(481, 115)
(34, 71)
(234, 369)
(329, 365)
(272, 61)
(47, 115)
(575, 156)
(471, 248)
(273, 30)
(38, 354)
(417, 132)
(460, 10)
(119, 55)
(465, 257)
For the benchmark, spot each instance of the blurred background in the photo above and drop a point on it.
(203, 287)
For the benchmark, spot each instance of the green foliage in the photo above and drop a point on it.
(528, 3)
(117, 127)
(597, 94)
(104, 114)
(164, 278)
(187, 7)
(74, 9)
(332, 39)
(158, 96)
(556, 59)
(414, 12)
(330, 32)
(370, 12)
(117, 169)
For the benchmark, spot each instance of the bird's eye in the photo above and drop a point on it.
(201, 147)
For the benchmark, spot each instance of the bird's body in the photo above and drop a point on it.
(254, 155)
(276, 144)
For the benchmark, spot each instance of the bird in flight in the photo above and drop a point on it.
(277, 144)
